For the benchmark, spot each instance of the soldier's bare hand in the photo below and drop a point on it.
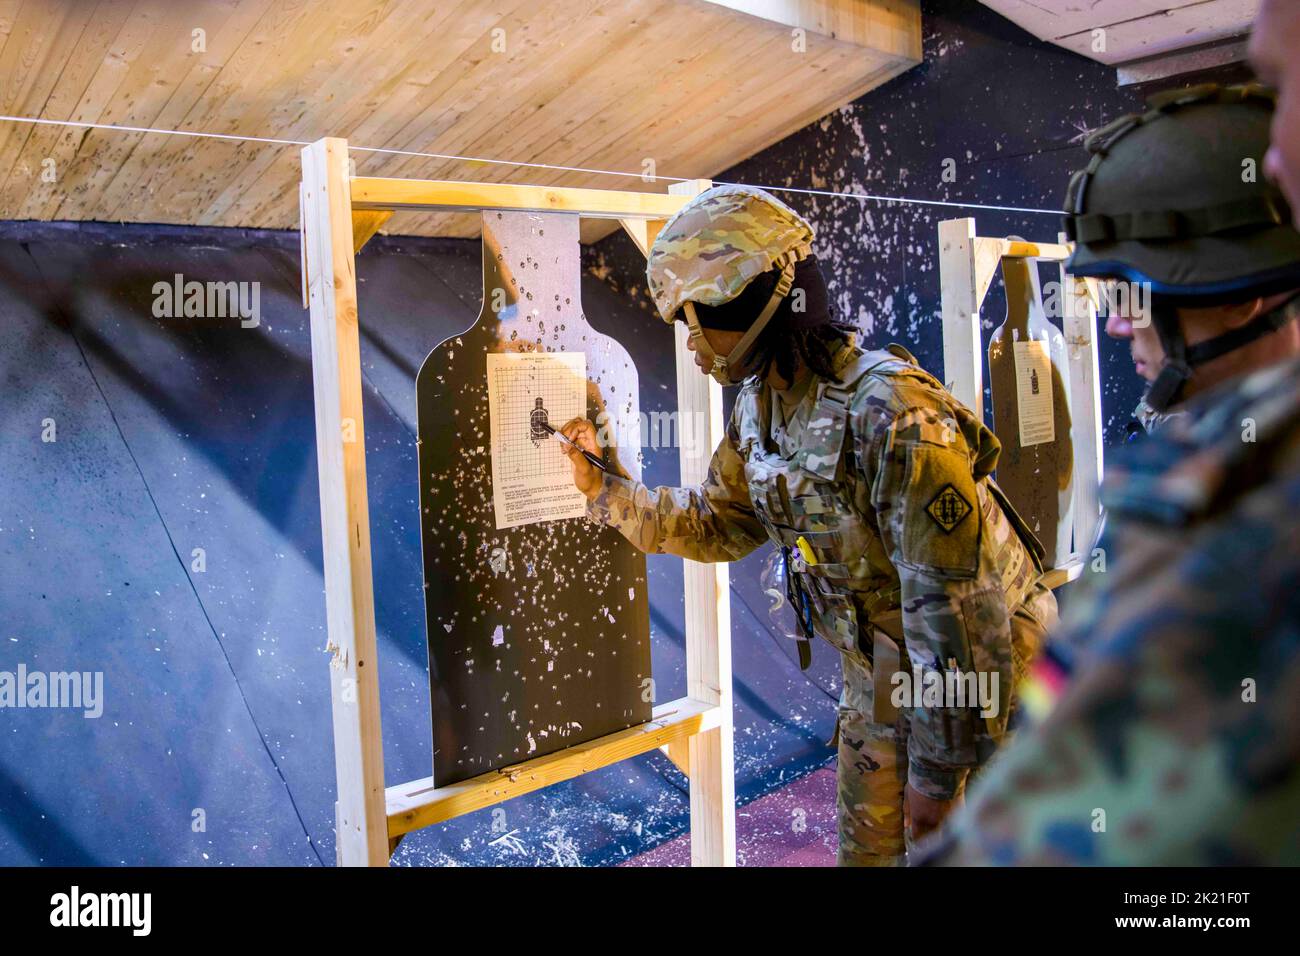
(924, 813)
(586, 476)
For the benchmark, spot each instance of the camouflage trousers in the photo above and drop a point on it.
(871, 771)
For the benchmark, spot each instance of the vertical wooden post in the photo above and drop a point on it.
(708, 619)
(960, 311)
(361, 819)
(1080, 324)
(643, 233)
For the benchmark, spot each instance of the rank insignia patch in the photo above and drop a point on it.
(948, 509)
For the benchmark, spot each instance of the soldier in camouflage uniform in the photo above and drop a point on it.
(873, 481)
(1165, 726)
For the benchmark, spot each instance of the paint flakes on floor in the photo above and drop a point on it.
(793, 826)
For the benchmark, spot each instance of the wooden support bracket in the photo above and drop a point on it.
(365, 223)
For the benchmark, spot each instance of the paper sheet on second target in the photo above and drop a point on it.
(532, 479)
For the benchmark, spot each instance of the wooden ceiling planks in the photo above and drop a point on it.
(1167, 31)
(24, 189)
(1132, 29)
(344, 82)
(692, 85)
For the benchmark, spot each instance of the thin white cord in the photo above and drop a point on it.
(149, 129)
(917, 202)
(861, 197)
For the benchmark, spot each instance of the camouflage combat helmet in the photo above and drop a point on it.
(1175, 199)
(713, 248)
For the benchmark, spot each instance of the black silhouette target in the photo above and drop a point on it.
(539, 635)
(538, 420)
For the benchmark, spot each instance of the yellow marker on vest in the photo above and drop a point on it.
(806, 550)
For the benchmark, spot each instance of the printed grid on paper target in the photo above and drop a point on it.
(519, 389)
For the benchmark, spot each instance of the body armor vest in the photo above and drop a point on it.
(816, 491)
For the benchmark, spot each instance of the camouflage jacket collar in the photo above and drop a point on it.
(1198, 459)
(1150, 419)
(793, 397)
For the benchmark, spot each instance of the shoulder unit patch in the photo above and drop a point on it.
(948, 508)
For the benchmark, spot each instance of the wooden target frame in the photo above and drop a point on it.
(967, 264)
(340, 213)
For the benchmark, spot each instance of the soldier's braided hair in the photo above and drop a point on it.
(815, 347)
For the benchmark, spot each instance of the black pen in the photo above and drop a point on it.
(585, 454)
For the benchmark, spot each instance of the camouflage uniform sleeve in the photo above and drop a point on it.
(714, 522)
(924, 496)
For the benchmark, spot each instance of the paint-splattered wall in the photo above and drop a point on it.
(1006, 113)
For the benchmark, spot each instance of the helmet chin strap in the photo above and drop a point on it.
(1166, 391)
(724, 368)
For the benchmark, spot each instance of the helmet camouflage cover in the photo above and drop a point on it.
(717, 243)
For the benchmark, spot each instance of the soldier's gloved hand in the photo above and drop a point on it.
(925, 814)
(586, 476)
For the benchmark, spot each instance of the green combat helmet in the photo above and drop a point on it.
(1173, 198)
(716, 245)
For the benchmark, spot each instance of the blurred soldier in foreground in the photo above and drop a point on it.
(1166, 728)
(1184, 209)
(872, 480)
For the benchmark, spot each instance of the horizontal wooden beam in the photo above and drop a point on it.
(420, 804)
(1019, 249)
(426, 194)
(1056, 577)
